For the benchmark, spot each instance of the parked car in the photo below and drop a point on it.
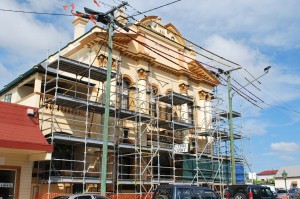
(183, 192)
(249, 192)
(282, 193)
(81, 196)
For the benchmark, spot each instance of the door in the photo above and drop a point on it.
(9, 182)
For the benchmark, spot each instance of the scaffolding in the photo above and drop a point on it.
(158, 132)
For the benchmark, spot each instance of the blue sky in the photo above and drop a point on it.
(252, 33)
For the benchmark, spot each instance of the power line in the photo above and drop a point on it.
(206, 57)
(61, 14)
(32, 12)
(186, 40)
(243, 95)
(287, 109)
(139, 13)
(154, 50)
(164, 46)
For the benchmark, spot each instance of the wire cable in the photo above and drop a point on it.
(32, 12)
(187, 40)
(164, 46)
(140, 13)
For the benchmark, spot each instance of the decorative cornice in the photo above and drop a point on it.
(121, 45)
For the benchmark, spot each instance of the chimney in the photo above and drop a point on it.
(121, 16)
(79, 27)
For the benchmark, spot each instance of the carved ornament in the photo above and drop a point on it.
(142, 74)
(183, 88)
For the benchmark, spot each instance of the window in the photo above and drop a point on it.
(125, 94)
(183, 193)
(9, 182)
(209, 195)
(7, 98)
(152, 102)
(190, 114)
(196, 193)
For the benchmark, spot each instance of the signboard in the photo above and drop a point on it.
(181, 148)
(6, 185)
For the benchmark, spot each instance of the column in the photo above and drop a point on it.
(184, 116)
(183, 88)
(208, 104)
(201, 120)
(37, 89)
(142, 101)
(142, 90)
(113, 88)
(208, 116)
(201, 117)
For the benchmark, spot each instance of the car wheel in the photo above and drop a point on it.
(240, 196)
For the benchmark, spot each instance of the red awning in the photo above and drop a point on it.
(20, 131)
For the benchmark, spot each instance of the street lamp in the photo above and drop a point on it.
(266, 70)
(284, 176)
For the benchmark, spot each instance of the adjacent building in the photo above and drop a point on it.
(21, 143)
(292, 180)
(267, 175)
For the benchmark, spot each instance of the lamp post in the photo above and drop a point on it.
(284, 176)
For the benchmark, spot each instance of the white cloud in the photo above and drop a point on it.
(287, 158)
(25, 35)
(285, 147)
(25, 39)
(257, 127)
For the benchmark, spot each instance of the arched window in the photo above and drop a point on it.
(152, 100)
(125, 94)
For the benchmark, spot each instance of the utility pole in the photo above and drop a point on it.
(109, 20)
(107, 107)
(233, 169)
(230, 95)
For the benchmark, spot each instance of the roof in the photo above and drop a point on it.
(22, 77)
(20, 131)
(268, 172)
(33, 70)
(292, 171)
